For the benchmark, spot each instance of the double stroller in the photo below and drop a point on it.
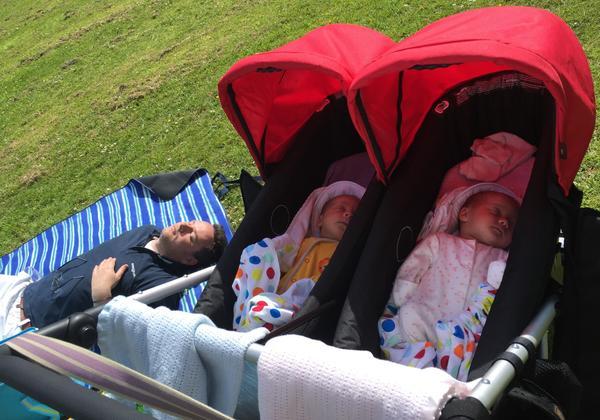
(415, 107)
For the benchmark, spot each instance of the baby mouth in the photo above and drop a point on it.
(497, 230)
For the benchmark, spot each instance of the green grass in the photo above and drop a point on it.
(93, 93)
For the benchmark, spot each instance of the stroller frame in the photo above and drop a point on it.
(481, 400)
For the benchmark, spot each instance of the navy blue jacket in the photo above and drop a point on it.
(68, 289)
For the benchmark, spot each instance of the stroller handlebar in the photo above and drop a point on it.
(80, 328)
(508, 365)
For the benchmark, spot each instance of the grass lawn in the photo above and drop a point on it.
(93, 93)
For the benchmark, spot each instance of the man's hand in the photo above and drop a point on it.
(104, 279)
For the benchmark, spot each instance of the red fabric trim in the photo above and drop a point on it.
(278, 91)
(524, 39)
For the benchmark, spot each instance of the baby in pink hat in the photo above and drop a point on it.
(443, 291)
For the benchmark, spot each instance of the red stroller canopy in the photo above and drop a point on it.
(268, 97)
(459, 48)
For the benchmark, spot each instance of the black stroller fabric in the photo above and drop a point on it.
(525, 109)
(550, 392)
(328, 136)
(250, 188)
(577, 328)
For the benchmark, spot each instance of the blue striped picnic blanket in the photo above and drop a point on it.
(159, 200)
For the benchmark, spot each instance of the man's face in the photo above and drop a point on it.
(489, 219)
(336, 215)
(181, 241)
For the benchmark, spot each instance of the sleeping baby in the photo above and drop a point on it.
(444, 290)
(276, 275)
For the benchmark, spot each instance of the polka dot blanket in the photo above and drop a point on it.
(456, 338)
(256, 281)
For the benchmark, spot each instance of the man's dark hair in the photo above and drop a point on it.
(209, 256)
(220, 241)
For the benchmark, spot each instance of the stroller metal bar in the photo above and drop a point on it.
(497, 378)
(540, 324)
(501, 373)
(164, 290)
(80, 328)
(253, 352)
(298, 322)
(544, 347)
(50, 388)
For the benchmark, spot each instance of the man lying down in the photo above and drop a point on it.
(135, 260)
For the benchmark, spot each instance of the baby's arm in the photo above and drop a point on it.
(412, 270)
(405, 285)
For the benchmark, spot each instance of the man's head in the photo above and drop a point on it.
(489, 217)
(194, 243)
(336, 215)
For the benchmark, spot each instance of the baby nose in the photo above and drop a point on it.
(503, 221)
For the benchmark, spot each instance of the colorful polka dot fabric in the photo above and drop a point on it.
(456, 338)
(255, 283)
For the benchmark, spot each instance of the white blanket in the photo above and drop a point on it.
(11, 290)
(300, 378)
(182, 350)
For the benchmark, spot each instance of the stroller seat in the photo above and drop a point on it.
(504, 101)
(295, 126)
(332, 134)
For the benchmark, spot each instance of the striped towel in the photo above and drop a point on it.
(134, 205)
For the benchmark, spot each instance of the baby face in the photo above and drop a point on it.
(489, 217)
(336, 215)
